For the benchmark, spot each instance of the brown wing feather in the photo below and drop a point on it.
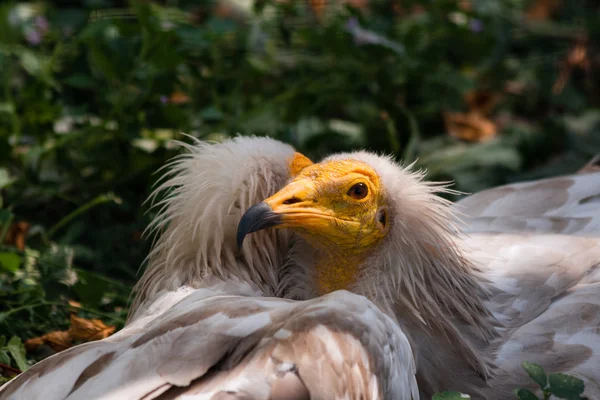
(337, 346)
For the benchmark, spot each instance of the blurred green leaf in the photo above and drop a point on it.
(90, 288)
(7, 108)
(565, 386)
(6, 218)
(450, 395)
(31, 62)
(9, 262)
(525, 394)
(101, 62)
(4, 357)
(17, 351)
(536, 372)
(5, 179)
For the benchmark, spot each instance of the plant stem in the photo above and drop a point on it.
(409, 152)
(547, 395)
(103, 198)
(60, 304)
(5, 227)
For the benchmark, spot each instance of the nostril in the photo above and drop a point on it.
(292, 200)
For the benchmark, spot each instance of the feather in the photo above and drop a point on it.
(539, 246)
(213, 341)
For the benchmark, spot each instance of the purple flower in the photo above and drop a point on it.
(41, 23)
(476, 25)
(164, 99)
(34, 37)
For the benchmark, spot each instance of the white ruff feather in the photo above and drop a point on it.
(207, 191)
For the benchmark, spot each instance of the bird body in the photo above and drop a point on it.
(374, 289)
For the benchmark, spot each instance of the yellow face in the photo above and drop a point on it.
(338, 203)
(337, 206)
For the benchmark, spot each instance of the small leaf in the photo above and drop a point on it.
(5, 179)
(17, 351)
(9, 261)
(566, 386)
(4, 358)
(525, 394)
(451, 395)
(536, 373)
(8, 108)
(2, 341)
(31, 62)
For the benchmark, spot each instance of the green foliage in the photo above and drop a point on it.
(536, 373)
(13, 353)
(449, 395)
(525, 394)
(554, 385)
(565, 386)
(92, 97)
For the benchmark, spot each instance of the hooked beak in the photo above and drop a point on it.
(258, 217)
(290, 207)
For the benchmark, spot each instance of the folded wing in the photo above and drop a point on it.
(539, 246)
(214, 344)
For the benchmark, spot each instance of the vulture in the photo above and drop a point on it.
(275, 278)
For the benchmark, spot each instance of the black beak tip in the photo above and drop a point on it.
(240, 239)
(258, 217)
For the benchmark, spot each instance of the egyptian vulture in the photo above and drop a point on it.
(353, 280)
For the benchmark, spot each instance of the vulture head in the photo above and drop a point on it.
(340, 209)
(371, 226)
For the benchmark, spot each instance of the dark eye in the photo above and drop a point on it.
(358, 191)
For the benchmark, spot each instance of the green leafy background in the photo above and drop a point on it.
(92, 96)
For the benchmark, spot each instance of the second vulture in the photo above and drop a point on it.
(359, 282)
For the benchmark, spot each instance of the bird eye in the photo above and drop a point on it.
(358, 191)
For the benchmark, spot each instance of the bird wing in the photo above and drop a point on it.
(568, 205)
(216, 344)
(538, 244)
(535, 241)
